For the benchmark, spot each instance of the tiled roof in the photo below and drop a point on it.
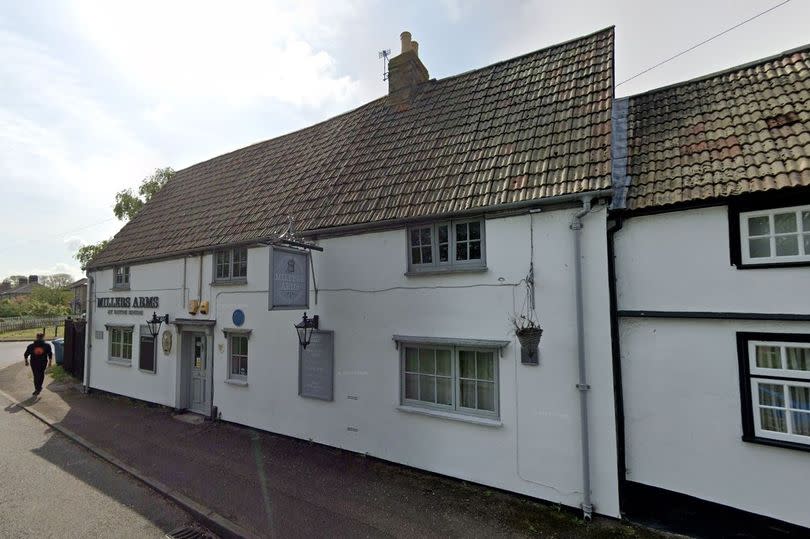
(531, 127)
(740, 131)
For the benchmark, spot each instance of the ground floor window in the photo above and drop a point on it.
(775, 387)
(120, 344)
(238, 356)
(451, 378)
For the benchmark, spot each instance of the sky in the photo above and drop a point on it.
(95, 95)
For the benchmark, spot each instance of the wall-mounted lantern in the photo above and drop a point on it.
(155, 323)
(304, 329)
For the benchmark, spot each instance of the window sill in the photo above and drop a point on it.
(119, 362)
(146, 371)
(496, 423)
(771, 265)
(443, 271)
(776, 443)
(119, 288)
(240, 383)
(234, 282)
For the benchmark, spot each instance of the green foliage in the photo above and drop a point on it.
(30, 306)
(86, 252)
(128, 204)
(52, 296)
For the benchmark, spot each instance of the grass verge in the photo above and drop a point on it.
(60, 375)
(31, 334)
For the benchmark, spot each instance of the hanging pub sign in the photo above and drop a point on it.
(289, 278)
(128, 305)
(316, 366)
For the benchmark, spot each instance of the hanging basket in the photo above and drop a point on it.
(529, 338)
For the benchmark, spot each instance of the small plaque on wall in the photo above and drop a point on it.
(289, 278)
(316, 366)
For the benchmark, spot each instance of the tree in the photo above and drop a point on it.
(57, 280)
(13, 281)
(127, 205)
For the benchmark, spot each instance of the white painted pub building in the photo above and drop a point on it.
(416, 226)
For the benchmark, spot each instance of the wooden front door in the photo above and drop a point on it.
(199, 368)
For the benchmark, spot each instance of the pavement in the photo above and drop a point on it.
(52, 487)
(254, 483)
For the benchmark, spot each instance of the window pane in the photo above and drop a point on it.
(771, 395)
(411, 386)
(415, 236)
(486, 369)
(801, 423)
(769, 357)
(443, 233)
(444, 251)
(416, 257)
(759, 226)
(424, 236)
(807, 244)
(412, 360)
(427, 388)
(806, 221)
(784, 222)
(427, 255)
(475, 250)
(243, 366)
(466, 362)
(771, 419)
(427, 363)
(444, 391)
(486, 396)
(787, 245)
(467, 389)
(798, 359)
(759, 248)
(461, 251)
(461, 232)
(475, 230)
(240, 263)
(800, 398)
(443, 362)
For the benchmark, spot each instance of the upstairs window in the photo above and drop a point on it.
(447, 246)
(775, 384)
(230, 265)
(775, 236)
(121, 277)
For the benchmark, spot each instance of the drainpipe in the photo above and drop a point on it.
(582, 386)
(88, 333)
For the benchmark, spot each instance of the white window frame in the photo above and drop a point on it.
(231, 377)
(120, 360)
(451, 264)
(123, 273)
(783, 377)
(230, 279)
(455, 407)
(745, 248)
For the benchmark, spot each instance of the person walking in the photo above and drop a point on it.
(40, 353)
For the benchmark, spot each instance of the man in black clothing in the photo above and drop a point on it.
(40, 353)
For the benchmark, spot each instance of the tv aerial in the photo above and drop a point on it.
(383, 55)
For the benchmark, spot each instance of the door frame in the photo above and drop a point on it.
(185, 331)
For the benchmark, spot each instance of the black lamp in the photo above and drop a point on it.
(155, 322)
(304, 329)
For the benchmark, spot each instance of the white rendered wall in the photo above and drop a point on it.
(681, 377)
(365, 298)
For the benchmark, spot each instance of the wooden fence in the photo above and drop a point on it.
(26, 322)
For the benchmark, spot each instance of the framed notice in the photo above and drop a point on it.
(316, 366)
(289, 278)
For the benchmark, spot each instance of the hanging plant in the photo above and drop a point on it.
(528, 332)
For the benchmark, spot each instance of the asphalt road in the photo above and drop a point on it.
(52, 487)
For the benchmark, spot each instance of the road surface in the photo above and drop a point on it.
(52, 487)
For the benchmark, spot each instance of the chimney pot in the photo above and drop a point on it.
(415, 47)
(405, 38)
(33, 279)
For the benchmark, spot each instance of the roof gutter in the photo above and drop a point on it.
(523, 205)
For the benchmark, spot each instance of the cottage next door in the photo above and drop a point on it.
(199, 390)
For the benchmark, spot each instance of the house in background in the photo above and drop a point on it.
(23, 288)
(78, 305)
(712, 267)
(421, 222)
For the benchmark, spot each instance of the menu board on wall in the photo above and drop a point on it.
(289, 278)
(316, 366)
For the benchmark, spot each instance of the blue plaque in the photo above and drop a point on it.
(238, 317)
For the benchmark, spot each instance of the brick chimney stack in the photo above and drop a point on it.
(33, 279)
(405, 73)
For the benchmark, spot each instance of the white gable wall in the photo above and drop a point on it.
(681, 377)
(365, 298)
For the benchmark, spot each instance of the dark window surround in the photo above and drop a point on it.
(451, 265)
(230, 279)
(746, 402)
(764, 201)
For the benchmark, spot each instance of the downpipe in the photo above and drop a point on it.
(582, 386)
(88, 333)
